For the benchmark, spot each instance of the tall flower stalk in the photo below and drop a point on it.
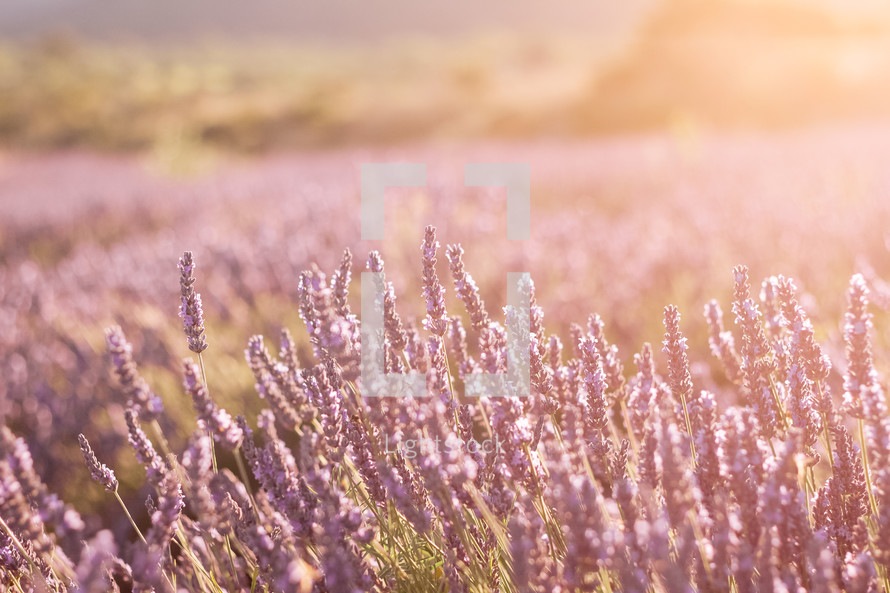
(863, 396)
(678, 366)
(190, 309)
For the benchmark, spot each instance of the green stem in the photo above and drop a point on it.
(864, 448)
(772, 448)
(825, 427)
(780, 408)
(207, 388)
(21, 550)
(688, 427)
(129, 516)
(454, 401)
(18, 585)
(828, 443)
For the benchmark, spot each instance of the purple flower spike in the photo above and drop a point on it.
(217, 420)
(436, 321)
(190, 309)
(98, 471)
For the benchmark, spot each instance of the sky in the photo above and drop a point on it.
(303, 20)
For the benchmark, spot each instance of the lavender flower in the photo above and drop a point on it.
(95, 562)
(331, 335)
(330, 408)
(66, 521)
(848, 473)
(19, 515)
(439, 379)
(540, 374)
(708, 442)
(784, 509)
(435, 321)
(415, 350)
(137, 391)
(288, 354)
(340, 283)
(190, 309)
(554, 353)
(98, 471)
(803, 342)
(277, 384)
(722, 343)
(148, 564)
(164, 519)
(367, 466)
(643, 392)
(216, 419)
(155, 467)
(861, 374)
(757, 359)
(611, 360)
(11, 560)
(594, 381)
(806, 365)
(678, 362)
(769, 296)
(681, 493)
(466, 288)
(457, 347)
(197, 461)
(396, 336)
(741, 467)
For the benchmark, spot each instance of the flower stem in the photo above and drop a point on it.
(212, 447)
(688, 426)
(864, 448)
(129, 516)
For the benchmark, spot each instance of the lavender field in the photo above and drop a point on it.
(210, 382)
(708, 354)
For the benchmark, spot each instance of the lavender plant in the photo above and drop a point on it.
(599, 481)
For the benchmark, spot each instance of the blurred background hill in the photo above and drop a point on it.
(172, 77)
(754, 63)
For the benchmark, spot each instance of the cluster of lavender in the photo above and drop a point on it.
(601, 480)
(104, 259)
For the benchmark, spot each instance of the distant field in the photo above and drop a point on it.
(61, 93)
(711, 65)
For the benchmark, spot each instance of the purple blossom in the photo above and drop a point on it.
(155, 467)
(861, 374)
(436, 321)
(135, 388)
(216, 419)
(340, 283)
(190, 309)
(722, 343)
(465, 287)
(594, 382)
(757, 360)
(98, 471)
(678, 361)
